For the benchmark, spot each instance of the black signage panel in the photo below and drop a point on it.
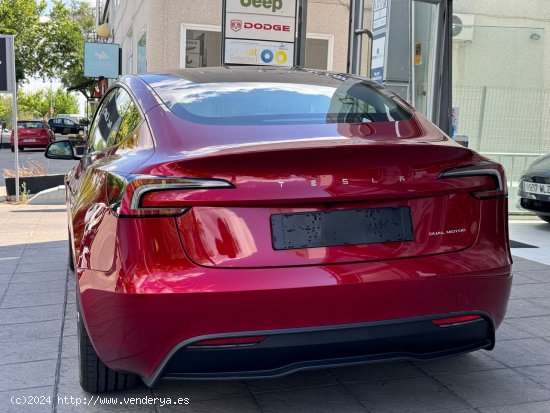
(3, 66)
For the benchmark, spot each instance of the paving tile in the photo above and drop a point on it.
(539, 275)
(476, 361)
(8, 267)
(70, 311)
(42, 266)
(25, 375)
(70, 346)
(522, 352)
(31, 277)
(382, 371)
(229, 405)
(38, 287)
(11, 251)
(304, 379)
(523, 308)
(509, 330)
(29, 331)
(528, 265)
(70, 327)
(32, 299)
(29, 350)
(541, 302)
(326, 399)
(12, 401)
(494, 387)
(534, 326)
(200, 390)
(5, 278)
(30, 257)
(540, 374)
(413, 395)
(536, 407)
(31, 314)
(538, 290)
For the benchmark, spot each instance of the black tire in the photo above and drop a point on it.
(21, 148)
(12, 148)
(544, 218)
(96, 377)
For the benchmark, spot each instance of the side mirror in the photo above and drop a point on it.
(61, 150)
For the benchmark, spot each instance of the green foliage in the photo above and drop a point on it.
(36, 105)
(22, 18)
(62, 52)
(48, 46)
(5, 109)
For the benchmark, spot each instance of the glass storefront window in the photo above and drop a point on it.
(203, 48)
(142, 53)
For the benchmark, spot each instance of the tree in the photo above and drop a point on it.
(62, 49)
(37, 104)
(48, 46)
(22, 18)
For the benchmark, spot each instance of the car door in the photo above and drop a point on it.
(86, 184)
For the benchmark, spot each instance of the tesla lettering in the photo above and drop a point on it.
(274, 5)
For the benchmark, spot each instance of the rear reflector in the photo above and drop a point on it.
(230, 341)
(451, 321)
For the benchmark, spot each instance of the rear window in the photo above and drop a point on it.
(253, 103)
(30, 125)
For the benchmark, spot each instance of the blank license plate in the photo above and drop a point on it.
(346, 227)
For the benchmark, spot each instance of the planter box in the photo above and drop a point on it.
(35, 184)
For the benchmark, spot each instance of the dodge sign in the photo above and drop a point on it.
(259, 32)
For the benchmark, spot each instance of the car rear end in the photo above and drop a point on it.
(32, 134)
(292, 246)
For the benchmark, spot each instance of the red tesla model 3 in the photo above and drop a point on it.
(252, 222)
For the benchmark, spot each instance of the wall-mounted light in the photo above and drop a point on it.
(103, 30)
(535, 36)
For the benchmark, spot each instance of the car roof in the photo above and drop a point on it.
(225, 74)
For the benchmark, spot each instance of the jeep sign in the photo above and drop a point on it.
(271, 7)
(259, 32)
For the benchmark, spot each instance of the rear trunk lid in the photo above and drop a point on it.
(285, 192)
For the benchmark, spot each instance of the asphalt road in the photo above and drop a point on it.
(7, 161)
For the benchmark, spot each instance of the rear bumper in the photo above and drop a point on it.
(287, 351)
(141, 331)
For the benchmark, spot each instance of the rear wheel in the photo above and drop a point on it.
(544, 218)
(96, 377)
(21, 148)
(12, 148)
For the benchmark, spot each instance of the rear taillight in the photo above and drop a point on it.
(127, 194)
(493, 187)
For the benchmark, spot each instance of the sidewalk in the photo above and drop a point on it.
(39, 356)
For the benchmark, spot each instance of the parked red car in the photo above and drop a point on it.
(251, 222)
(32, 134)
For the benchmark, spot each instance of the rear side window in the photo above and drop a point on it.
(253, 103)
(30, 125)
(116, 118)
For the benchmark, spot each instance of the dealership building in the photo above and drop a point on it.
(500, 59)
